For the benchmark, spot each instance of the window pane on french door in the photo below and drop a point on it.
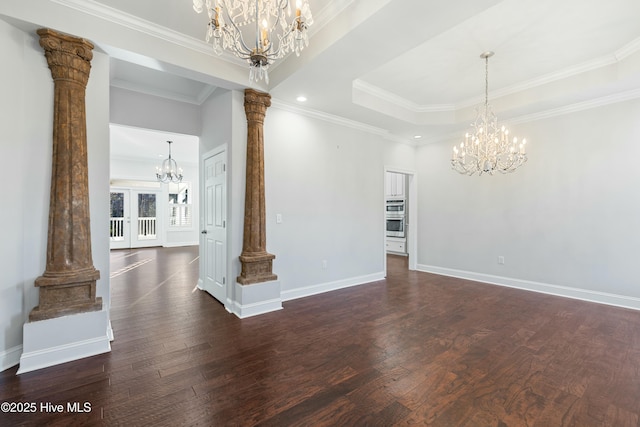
(116, 221)
(146, 216)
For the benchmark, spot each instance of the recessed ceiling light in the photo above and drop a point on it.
(301, 98)
(417, 136)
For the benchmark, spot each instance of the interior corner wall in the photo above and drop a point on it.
(26, 118)
(224, 123)
(326, 181)
(566, 222)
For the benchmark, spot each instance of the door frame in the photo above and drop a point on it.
(202, 206)
(411, 193)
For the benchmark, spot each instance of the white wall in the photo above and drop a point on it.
(327, 182)
(26, 117)
(568, 217)
(140, 110)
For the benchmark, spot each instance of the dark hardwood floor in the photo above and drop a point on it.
(414, 349)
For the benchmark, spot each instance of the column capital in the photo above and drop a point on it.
(256, 104)
(69, 58)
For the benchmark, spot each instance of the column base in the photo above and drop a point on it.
(66, 294)
(258, 298)
(256, 268)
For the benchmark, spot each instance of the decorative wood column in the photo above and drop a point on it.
(256, 262)
(68, 285)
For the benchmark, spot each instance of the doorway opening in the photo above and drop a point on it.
(400, 213)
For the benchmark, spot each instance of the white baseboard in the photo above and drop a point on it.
(110, 332)
(544, 288)
(10, 358)
(179, 244)
(64, 339)
(255, 309)
(330, 286)
(256, 298)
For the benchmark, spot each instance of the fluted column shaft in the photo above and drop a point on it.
(68, 284)
(256, 262)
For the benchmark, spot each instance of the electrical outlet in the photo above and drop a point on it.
(324, 264)
(278, 218)
(500, 259)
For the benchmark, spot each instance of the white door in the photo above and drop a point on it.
(215, 226)
(135, 221)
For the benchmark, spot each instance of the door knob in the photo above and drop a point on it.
(203, 232)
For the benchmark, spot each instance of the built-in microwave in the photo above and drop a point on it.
(395, 207)
(395, 226)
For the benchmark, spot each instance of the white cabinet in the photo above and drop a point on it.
(394, 184)
(396, 246)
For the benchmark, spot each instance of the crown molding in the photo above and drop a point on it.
(110, 14)
(341, 121)
(324, 15)
(628, 49)
(194, 100)
(606, 60)
(578, 106)
(399, 101)
(328, 118)
(553, 112)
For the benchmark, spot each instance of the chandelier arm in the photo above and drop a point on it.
(240, 39)
(280, 8)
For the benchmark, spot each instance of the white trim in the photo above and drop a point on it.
(579, 106)
(330, 286)
(254, 309)
(134, 87)
(110, 332)
(10, 357)
(575, 70)
(341, 121)
(110, 14)
(554, 112)
(179, 244)
(63, 339)
(544, 288)
(39, 359)
(399, 101)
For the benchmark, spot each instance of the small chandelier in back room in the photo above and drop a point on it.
(169, 171)
(488, 148)
(276, 27)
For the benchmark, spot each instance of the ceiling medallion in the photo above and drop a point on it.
(276, 27)
(488, 148)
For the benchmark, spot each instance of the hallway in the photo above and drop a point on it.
(415, 348)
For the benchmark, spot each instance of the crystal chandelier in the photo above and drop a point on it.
(276, 28)
(169, 171)
(488, 148)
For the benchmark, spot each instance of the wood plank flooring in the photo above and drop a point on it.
(414, 349)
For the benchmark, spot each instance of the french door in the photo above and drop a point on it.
(134, 221)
